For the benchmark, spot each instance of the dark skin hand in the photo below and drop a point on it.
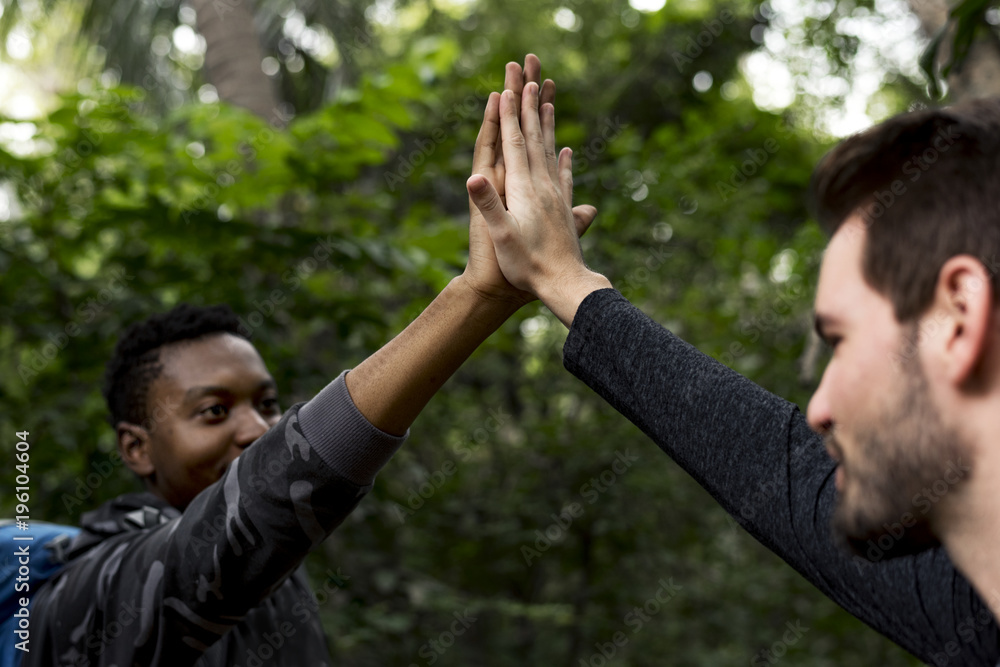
(215, 396)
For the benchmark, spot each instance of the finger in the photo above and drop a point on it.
(582, 217)
(566, 174)
(515, 156)
(548, 122)
(531, 127)
(485, 155)
(548, 95)
(532, 69)
(486, 199)
(514, 82)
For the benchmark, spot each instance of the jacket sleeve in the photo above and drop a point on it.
(162, 596)
(757, 456)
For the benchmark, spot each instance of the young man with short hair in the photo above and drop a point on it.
(203, 568)
(908, 406)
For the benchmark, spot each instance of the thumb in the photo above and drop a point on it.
(582, 217)
(486, 199)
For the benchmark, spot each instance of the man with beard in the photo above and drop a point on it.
(907, 405)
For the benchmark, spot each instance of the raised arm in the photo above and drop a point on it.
(752, 450)
(191, 578)
(393, 385)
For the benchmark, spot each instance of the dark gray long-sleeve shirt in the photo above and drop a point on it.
(216, 585)
(755, 453)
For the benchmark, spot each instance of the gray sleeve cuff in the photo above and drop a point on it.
(343, 438)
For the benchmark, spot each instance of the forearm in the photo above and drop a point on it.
(756, 455)
(727, 432)
(200, 574)
(392, 386)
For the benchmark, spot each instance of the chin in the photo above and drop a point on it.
(881, 537)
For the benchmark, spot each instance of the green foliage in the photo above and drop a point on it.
(328, 236)
(965, 20)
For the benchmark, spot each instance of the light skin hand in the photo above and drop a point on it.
(483, 272)
(392, 386)
(534, 232)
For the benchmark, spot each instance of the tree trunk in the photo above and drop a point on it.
(233, 57)
(979, 75)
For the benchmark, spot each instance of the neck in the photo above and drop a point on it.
(969, 528)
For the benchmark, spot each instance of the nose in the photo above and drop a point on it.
(818, 414)
(251, 426)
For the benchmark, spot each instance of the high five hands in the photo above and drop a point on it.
(521, 191)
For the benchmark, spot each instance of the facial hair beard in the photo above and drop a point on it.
(898, 457)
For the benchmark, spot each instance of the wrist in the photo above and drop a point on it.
(564, 295)
(491, 305)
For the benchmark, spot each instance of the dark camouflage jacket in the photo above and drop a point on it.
(221, 583)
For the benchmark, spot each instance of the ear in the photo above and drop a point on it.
(134, 447)
(964, 303)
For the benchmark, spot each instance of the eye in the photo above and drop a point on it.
(215, 411)
(270, 406)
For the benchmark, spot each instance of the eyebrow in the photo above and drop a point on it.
(195, 393)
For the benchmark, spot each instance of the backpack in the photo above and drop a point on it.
(46, 555)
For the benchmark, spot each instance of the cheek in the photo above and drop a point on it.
(840, 378)
(863, 373)
(195, 448)
(865, 385)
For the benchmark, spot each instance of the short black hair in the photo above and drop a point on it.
(136, 359)
(924, 184)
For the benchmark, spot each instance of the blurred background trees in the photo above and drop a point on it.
(305, 163)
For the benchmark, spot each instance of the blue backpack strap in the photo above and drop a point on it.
(43, 545)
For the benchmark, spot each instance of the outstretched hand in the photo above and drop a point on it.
(534, 229)
(483, 272)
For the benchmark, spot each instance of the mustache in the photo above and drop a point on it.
(833, 447)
